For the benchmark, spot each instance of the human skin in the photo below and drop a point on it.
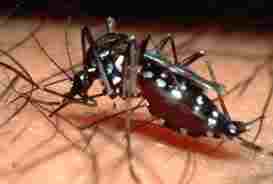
(32, 152)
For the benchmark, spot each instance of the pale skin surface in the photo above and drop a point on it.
(38, 155)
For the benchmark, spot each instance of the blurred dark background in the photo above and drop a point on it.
(240, 14)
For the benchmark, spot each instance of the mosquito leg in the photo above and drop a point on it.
(24, 95)
(253, 76)
(50, 58)
(16, 112)
(14, 81)
(11, 84)
(130, 88)
(59, 108)
(68, 101)
(38, 108)
(34, 89)
(67, 44)
(41, 110)
(95, 123)
(163, 43)
(28, 37)
(48, 78)
(27, 78)
(27, 100)
(192, 58)
(58, 73)
(143, 46)
(211, 72)
(129, 84)
(34, 103)
(49, 91)
(86, 35)
(265, 108)
(244, 84)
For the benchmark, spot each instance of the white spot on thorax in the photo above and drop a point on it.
(116, 80)
(109, 68)
(104, 54)
(148, 74)
(119, 63)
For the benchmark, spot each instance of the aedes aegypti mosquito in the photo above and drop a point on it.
(174, 93)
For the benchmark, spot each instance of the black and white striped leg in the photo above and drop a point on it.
(161, 45)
